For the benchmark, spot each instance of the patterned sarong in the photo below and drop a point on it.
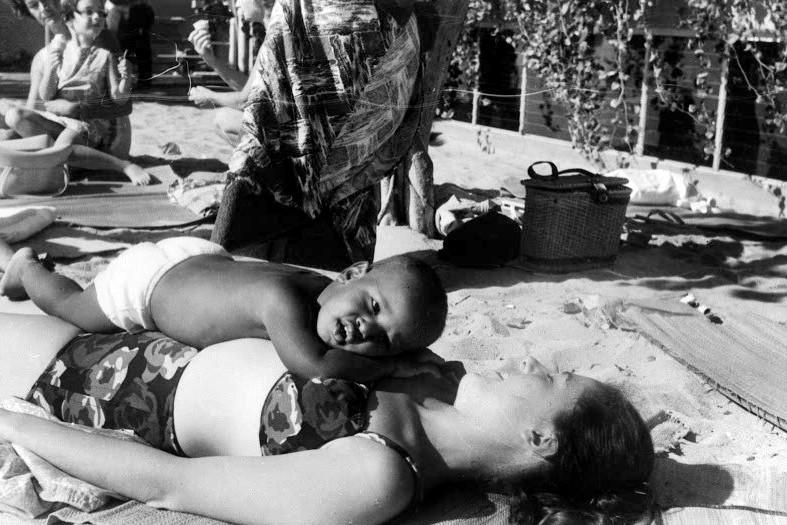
(332, 82)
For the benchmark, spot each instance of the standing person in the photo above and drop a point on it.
(77, 69)
(281, 457)
(323, 124)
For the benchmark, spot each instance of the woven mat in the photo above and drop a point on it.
(703, 516)
(725, 223)
(104, 201)
(745, 358)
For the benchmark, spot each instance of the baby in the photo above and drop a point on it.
(193, 291)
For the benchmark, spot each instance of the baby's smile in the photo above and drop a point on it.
(346, 332)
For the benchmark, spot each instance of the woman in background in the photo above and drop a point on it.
(98, 119)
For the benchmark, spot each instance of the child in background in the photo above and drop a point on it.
(193, 291)
(77, 70)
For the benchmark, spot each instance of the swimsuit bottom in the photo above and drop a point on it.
(117, 381)
(128, 381)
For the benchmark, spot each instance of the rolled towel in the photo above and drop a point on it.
(22, 224)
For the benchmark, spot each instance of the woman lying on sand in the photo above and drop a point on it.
(363, 455)
(74, 68)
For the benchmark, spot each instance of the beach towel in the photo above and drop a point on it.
(332, 83)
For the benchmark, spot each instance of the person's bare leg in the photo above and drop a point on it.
(6, 133)
(28, 123)
(92, 159)
(55, 294)
(29, 343)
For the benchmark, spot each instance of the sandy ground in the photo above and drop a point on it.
(500, 316)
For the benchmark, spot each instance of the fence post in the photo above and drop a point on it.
(721, 111)
(476, 97)
(522, 96)
(233, 47)
(252, 45)
(243, 50)
(639, 149)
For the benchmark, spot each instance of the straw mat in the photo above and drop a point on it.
(745, 358)
(103, 201)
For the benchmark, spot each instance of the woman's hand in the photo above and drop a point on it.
(125, 68)
(62, 107)
(202, 97)
(200, 39)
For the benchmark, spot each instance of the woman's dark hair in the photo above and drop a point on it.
(601, 468)
(19, 7)
(68, 8)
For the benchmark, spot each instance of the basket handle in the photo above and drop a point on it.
(600, 190)
(554, 172)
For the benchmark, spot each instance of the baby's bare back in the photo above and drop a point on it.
(208, 299)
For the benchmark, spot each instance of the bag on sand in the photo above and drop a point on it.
(489, 240)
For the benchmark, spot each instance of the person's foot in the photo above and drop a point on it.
(137, 175)
(11, 283)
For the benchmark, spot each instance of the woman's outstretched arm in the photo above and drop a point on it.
(351, 480)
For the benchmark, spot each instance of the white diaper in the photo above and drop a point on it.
(124, 288)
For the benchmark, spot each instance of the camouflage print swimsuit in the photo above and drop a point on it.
(128, 381)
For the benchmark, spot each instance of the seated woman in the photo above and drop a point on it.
(80, 100)
(354, 454)
(229, 114)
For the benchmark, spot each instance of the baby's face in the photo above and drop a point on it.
(370, 315)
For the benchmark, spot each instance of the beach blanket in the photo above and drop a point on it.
(332, 83)
(30, 486)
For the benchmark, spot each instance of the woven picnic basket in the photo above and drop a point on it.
(573, 218)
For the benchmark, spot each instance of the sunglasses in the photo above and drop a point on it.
(90, 12)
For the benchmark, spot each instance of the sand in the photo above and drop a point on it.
(498, 317)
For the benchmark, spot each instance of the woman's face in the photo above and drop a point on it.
(89, 18)
(43, 11)
(519, 402)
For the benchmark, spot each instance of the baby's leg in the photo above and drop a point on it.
(53, 293)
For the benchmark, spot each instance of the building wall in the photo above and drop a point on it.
(750, 143)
